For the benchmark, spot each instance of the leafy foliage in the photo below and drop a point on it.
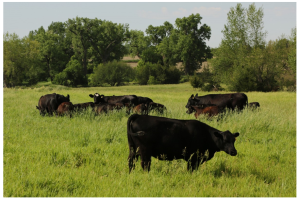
(21, 61)
(113, 73)
(72, 75)
(149, 73)
(244, 62)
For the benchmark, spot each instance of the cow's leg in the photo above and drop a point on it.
(146, 162)
(132, 158)
(193, 163)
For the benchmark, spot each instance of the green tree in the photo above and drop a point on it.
(49, 49)
(13, 63)
(292, 55)
(188, 44)
(21, 60)
(64, 43)
(138, 42)
(80, 28)
(235, 61)
(107, 40)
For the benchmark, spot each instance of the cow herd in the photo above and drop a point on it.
(61, 105)
(161, 137)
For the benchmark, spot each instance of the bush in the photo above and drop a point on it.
(196, 81)
(149, 73)
(72, 75)
(114, 73)
(152, 81)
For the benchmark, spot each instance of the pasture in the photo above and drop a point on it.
(86, 155)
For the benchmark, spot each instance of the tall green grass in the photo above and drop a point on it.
(86, 155)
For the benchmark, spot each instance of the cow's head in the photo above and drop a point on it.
(61, 98)
(192, 101)
(190, 110)
(225, 142)
(97, 98)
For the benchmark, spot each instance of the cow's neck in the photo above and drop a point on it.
(216, 142)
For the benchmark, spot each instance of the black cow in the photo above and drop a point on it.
(231, 101)
(132, 99)
(144, 100)
(50, 102)
(254, 105)
(83, 106)
(157, 107)
(105, 107)
(169, 139)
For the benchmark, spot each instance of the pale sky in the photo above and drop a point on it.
(22, 17)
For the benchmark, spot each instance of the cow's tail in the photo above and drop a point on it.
(129, 126)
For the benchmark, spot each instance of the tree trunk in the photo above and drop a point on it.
(49, 69)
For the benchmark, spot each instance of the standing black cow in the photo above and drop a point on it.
(169, 139)
(132, 99)
(50, 102)
(231, 101)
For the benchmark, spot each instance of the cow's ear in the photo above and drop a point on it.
(236, 134)
(102, 96)
(68, 96)
(92, 96)
(196, 95)
(218, 135)
(192, 95)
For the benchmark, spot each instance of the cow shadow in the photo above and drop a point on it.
(227, 171)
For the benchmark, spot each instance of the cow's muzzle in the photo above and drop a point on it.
(233, 153)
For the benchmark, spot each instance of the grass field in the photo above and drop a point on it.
(86, 156)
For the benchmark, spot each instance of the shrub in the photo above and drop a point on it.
(72, 75)
(152, 81)
(113, 73)
(196, 81)
(149, 73)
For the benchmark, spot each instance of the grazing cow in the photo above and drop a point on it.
(65, 108)
(254, 105)
(105, 107)
(208, 110)
(144, 100)
(50, 102)
(157, 107)
(132, 99)
(83, 106)
(231, 101)
(141, 109)
(169, 139)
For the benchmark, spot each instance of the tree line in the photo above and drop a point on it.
(88, 52)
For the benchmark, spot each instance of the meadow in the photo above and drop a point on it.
(86, 155)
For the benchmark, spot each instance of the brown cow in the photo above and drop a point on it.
(209, 110)
(141, 109)
(65, 108)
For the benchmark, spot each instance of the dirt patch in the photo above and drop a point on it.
(130, 58)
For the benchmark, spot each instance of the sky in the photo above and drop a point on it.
(23, 17)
